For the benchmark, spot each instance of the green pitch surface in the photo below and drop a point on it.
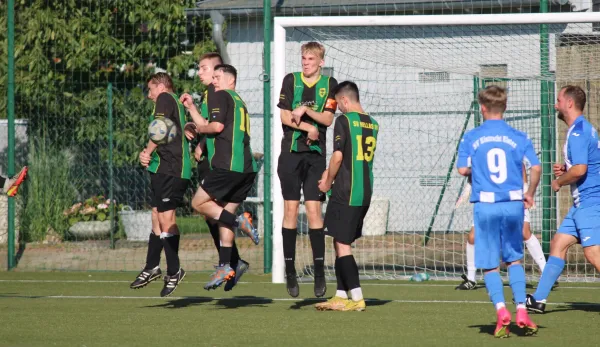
(99, 309)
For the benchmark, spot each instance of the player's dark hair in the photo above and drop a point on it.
(161, 77)
(226, 68)
(493, 98)
(349, 89)
(576, 94)
(212, 55)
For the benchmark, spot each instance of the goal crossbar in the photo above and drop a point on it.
(279, 69)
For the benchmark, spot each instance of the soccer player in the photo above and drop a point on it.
(10, 186)
(307, 107)
(493, 154)
(233, 168)
(531, 241)
(207, 64)
(170, 171)
(351, 166)
(581, 171)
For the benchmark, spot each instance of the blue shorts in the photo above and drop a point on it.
(498, 233)
(584, 224)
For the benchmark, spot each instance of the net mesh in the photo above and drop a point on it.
(420, 84)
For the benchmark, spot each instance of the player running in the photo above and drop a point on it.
(581, 171)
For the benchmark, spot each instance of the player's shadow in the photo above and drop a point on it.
(488, 329)
(376, 302)
(243, 301)
(305, 302)
(576, 306)
(312, 301)
(184, 302)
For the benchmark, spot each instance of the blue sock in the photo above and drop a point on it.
(494, 286)
(552, 271)
(516, 277)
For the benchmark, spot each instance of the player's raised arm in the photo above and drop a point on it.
(326, 117)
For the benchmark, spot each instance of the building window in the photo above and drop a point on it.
(431, 181)
(434, 77)
(494, 70)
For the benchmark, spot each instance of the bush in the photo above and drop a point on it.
(50, 189)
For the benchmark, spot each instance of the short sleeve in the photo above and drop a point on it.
(341, 133)
(286, 96)
(218, 107)
(330, 104)
(166, 106)
(578, 146)
(464, 152)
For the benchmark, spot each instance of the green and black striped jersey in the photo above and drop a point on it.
(355, 135)
(296, 92)
(171, 158)
(230, 149)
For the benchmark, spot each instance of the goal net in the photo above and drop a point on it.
(419, 77)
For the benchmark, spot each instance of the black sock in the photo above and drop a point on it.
(289, 249)
(213, 227)
(235, 255)
(2, 180)
(155, 247)
(338, 276)
(317, 243)
(225, 255)
(349, 271)
(228, 219)
(171, 245)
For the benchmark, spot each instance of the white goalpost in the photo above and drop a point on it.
(419, 75)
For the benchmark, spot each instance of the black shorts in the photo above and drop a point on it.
(167, 191)
(301, 171)
(203, 169)
(343, 222)
(228, 186)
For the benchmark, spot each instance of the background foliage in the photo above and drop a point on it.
(66, 54)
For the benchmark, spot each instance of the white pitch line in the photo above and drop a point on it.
(428, 284)
(262, 300)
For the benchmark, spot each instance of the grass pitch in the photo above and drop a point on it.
(99, 309)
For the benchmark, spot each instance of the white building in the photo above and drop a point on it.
(418, 82)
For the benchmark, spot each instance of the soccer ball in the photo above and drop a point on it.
(420, 277)
(162, 130)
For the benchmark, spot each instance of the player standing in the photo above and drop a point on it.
(493, 154)
(233, 168)
(307, 107)
(581, 171)
(351, 166)
(170, 171)
(206, 65)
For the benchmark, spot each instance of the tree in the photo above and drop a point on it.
(67, 51)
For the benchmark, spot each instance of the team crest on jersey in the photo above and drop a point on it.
(322, 92)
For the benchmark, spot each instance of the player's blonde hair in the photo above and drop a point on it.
(313, 48)
(162, 77)
(493, 98)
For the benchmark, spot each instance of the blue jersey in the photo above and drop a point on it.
(582, 147)
(495, 152)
